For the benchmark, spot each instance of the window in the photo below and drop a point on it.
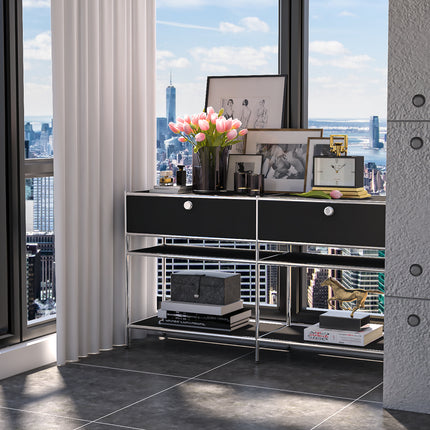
(27, 288)
(38, 153)
(348, 50)
(222, 39)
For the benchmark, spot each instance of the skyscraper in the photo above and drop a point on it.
(171, 102)
(374, 133)
(43, 196)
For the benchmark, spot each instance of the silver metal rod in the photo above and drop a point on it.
(257, 287)
(288, 307)
(163, 274)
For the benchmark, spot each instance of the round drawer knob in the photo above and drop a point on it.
(328, 211)
(188, 205)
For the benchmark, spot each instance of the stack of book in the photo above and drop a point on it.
(198, 315)
(367, 334)
(171, 189)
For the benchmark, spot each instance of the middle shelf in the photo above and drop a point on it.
(279, 258)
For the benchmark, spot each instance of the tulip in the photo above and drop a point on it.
(179, 119)
(236, 123)
(173, 127)
(187, 128)
(200, 137)
(335, 194)
(213, 118)
(187, 119)
(220, 125)
(231, 134)
(180, 126)
(195, 119)
(210, 110)
(182, 139)
(202, 116)
(203, 124)
(228, 124)
(243, 132)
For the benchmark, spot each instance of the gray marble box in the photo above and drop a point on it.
(211, 287)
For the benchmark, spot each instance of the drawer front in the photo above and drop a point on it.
(352, 225)
(208, 217)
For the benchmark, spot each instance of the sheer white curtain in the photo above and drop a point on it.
(104, 144)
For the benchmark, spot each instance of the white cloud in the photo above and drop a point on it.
(38, 48)
(168, 60)
(178, 24)
(252, 23)
(330, 47)
(247, 57)
(352, 61)
(213, 69)
(38, 99)
(346, 13)
(315, 61)
(36, 3)
(228, 27)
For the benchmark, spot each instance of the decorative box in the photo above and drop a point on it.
(211, 287)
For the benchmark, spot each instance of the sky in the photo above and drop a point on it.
(200, 38)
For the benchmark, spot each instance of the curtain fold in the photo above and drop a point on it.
(104, 144)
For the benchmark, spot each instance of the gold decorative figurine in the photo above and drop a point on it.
(339, 144)
(342, 294)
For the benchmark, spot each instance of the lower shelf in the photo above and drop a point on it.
(272, 335)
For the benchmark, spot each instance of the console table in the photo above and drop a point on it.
(270, 219)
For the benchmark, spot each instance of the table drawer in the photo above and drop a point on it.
(205, 217)
(350, 224)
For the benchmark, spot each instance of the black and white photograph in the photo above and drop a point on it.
(257, 101)
(317, 147)
(285, 157)
(242, 163)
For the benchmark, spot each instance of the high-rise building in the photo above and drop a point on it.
(374, 133)
(43, 209)
(171, 102)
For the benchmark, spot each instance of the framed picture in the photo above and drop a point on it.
(257, 101)
(242, 163)
(284, 153)
(317, 147)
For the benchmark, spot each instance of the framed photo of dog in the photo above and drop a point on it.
(285, 157)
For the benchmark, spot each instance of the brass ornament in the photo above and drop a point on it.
(342, 294)
(339, 144)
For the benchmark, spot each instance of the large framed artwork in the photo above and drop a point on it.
(317, 147)
(258, 101)
(285, 154)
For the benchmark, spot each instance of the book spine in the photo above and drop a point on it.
(194, 323)
(197, 317)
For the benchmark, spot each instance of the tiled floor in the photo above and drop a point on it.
(162, 384)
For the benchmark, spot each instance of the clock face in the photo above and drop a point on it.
(334, 171)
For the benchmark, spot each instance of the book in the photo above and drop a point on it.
(171, 189)
(229, 318)
(201, 308)
(199, 324)
(369, 333)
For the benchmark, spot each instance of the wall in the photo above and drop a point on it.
(406, 357)
(28, 355)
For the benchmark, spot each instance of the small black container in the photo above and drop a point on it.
(255, 184)
(181, 176)
(240, 183)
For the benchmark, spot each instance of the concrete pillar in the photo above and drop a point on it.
(407, 297)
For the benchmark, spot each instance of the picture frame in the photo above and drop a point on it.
(317, 147)
(252, 162)
(285, 157)
(258, 101)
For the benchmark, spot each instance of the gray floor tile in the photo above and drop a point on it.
(79, 391)
(20, 420)
(211, 406)
(169, 356)
(361, 416)
(303, 372)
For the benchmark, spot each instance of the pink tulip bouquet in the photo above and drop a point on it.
(208, 129)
